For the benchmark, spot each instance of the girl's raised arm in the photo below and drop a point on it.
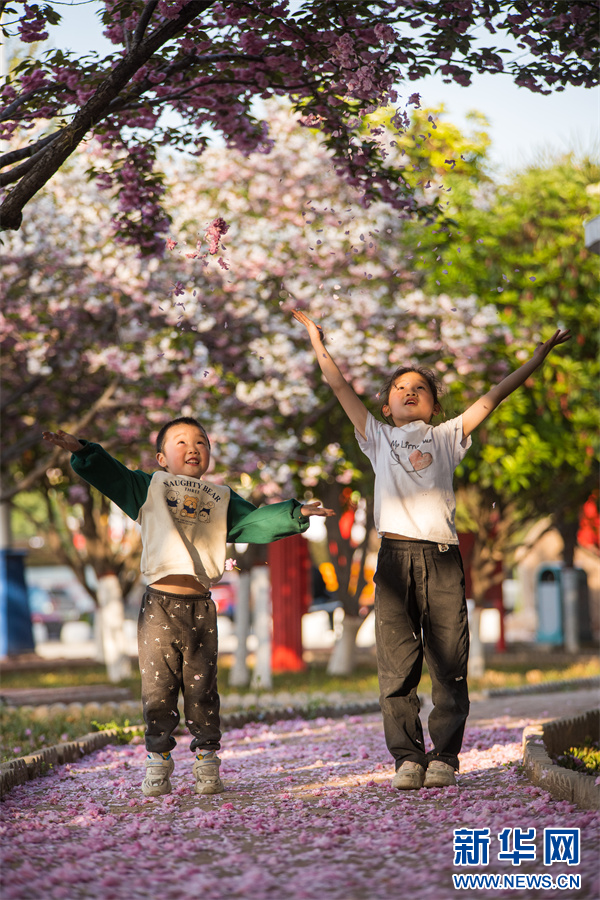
(481, 409)
(351, 403)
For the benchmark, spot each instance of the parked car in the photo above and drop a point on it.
(225, 596)
(52, 608)
(322, 599)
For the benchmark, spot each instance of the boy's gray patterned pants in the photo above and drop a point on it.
(177, 642)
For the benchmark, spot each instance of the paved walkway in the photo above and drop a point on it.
(308, 813)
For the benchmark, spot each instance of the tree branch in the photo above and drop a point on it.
(57, 454)
(20, 171)
(25, 388)
(13, 156)
(20, 100)
(94, 111)
(143, 23)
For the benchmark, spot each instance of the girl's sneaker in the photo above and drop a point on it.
(206, 773)
(158, 768)
(409, 777)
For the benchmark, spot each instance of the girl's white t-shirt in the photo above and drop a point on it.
(414, 469)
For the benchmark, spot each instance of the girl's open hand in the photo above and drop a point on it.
(62, 439)
(315, 331)
(544, 347)
(314, 508)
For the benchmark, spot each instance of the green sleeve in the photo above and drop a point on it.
(125, 487)
(249, 524)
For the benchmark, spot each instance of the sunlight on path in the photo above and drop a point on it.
(308, 813)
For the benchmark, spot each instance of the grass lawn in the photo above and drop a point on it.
(23, 732)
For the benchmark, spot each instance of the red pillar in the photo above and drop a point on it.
(289, 565)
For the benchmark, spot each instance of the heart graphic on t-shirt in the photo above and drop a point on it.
(420, 460)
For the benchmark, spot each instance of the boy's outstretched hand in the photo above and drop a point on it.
(544, 347)
(314, 508)
(62, 439)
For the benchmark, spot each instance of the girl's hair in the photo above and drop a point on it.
(429, 376)
(182, 420)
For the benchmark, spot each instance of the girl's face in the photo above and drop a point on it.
(410, 400)
(185, 451)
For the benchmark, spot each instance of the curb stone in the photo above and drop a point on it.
(545, 687)
(554, 737)
(25, 768)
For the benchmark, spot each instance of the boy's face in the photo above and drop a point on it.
(410, 400)
(185, 451)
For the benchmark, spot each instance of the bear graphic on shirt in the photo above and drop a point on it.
(189, 508)
(172, 500)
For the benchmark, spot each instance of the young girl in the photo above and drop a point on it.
(420, 606)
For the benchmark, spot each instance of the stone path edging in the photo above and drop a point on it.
(23, 769)
(545, 687)
(554, 737)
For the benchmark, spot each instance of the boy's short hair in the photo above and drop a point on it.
(429, 376)
(181, 420)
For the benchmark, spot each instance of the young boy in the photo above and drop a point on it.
(185, 523)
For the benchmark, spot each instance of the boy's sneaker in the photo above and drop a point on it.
(158, 768)
(206, 773)
(439, 774)
(409, 777)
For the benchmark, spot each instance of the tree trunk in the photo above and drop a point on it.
(476, 668)
(240, 673)
(343, 658)
(343, 553)
(568, 529)
(262, 677)
(570, 609)
(110, 617)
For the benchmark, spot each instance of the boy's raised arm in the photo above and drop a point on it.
(481, 409)
(351, 403)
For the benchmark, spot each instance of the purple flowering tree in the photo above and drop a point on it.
(113, 344)
(87, 347)
(210, 64)
(309, 242)
(109, 345)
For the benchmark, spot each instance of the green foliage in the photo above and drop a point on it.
(122, 736)
(520, 247)
(584, 759)
(24, 730)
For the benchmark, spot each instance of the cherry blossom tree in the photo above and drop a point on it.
(210, 64)
(141, 340)
(87, 347)
(312, 244)
(470, 297)
(112, 344)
